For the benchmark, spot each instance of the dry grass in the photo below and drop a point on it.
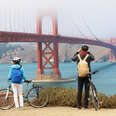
(68, 97)
(58, 96)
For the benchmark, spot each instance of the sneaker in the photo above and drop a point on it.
(86, 107)
(79, 107)
(17, 108)
(21, 108)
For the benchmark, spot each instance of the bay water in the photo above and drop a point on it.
(104, 80)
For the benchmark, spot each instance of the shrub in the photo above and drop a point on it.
(58, 96)
(61, 96)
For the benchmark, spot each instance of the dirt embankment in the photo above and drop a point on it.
(58, 111)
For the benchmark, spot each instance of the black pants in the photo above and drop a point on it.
(81, 82)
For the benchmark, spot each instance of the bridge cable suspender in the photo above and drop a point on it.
(78, 29)
(91, 32)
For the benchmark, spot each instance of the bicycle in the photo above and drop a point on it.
(93, 96)
(36, 96)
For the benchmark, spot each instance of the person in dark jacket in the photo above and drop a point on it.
(83, 51)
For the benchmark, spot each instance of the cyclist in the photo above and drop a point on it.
(16, 75)
(80, 55)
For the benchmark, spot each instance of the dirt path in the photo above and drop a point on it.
(57, 111)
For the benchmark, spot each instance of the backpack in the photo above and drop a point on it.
(17, 75)
(83, 67)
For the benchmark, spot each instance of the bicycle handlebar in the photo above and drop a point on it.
(91, 73)
(27, 81)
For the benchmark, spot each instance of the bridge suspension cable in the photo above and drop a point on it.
(78, 29)
(13, 20)
(89, 29)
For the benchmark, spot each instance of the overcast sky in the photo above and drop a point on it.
(89, 18)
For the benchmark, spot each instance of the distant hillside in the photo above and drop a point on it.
(25, 52)
(5, 47)
(28, 52)
(69, 50)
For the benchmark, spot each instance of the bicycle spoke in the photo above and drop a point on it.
(6, 99)
(94, 97)
(37, 97)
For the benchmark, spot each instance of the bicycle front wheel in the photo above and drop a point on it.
(37, 97)
(6, 99)
(95, 99)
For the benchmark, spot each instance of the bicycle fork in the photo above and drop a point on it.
(8, 89)
(7, 94)
(90, 92)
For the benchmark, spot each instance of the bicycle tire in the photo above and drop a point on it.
(37, 97)
(94, 97)
(8, 103)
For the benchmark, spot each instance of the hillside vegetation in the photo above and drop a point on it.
(58, 96)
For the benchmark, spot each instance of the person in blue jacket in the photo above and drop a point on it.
(16, 75)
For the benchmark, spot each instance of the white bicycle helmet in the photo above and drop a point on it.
(17, 60)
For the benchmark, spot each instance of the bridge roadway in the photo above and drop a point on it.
(31, 37)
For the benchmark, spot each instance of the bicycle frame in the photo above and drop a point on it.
(27, 90)
(90, 88)
(24, 94)
(9, 87)
(32, 94)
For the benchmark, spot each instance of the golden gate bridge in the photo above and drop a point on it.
(47, 45)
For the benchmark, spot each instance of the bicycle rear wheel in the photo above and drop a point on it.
(6, 99)
(94, 96)
(37, 97)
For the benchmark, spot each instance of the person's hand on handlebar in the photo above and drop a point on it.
(88, 75)
(91, 73)
(27, 81)
(95, 71)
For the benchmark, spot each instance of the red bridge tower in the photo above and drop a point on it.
(47, 53)
(111, 55)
